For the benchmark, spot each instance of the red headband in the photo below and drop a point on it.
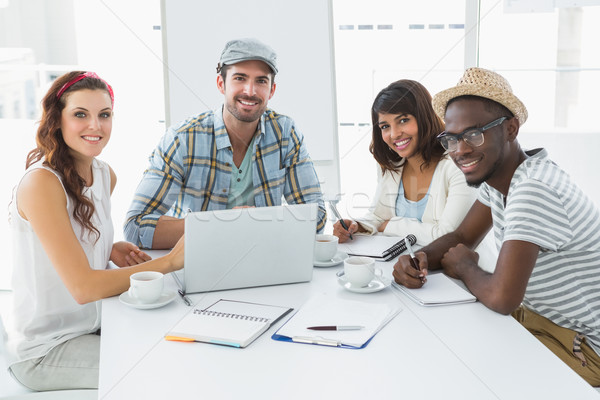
(88, 74)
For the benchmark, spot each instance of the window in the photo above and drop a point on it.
(377, 43)
(121, 41)
(548, 55)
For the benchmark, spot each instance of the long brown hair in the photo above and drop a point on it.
(406, 97)
(52, 148)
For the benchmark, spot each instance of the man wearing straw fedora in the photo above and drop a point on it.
(546, 229)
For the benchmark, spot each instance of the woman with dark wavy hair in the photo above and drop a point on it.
(60, 217)
(421, 191)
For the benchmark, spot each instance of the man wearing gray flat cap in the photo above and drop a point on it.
(240, 155)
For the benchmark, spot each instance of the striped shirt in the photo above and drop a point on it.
(546, 208)
(191, 169)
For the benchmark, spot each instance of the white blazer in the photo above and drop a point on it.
(449, 201)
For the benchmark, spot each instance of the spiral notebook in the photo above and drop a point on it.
(227, 322)
(381, 247)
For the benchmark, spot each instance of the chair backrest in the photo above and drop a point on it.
(3, 336)
(10, 389)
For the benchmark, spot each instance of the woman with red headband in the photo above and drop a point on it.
(60, 217)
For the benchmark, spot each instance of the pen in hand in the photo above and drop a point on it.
(346, 228)
(336, 328)
(413, 259)
(339, 217)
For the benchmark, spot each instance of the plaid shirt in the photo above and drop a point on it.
(190, 169)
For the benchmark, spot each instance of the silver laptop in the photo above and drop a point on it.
(232, 249)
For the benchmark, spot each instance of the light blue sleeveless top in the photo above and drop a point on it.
(408, 208)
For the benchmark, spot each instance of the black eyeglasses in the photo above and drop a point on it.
(472, 136)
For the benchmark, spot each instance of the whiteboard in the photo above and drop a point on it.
(300, 32)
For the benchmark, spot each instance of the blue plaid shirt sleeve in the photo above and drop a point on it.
(157, 191)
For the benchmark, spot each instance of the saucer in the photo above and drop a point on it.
(375, 285)
(164, 299)
(338, 258)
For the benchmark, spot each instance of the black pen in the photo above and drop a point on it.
(338, 216)
(186, 300)
(336, 328)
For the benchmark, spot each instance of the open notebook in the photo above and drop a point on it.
(332, 310)
(227, 322)
(437, 291)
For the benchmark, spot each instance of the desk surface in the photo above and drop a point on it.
(452, 352)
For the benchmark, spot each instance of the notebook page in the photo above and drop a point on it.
(372, 246)
(210, 327)
(438, 290)
(250, 309)
(228, 322)
(328, 310)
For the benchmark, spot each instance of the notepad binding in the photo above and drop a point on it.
(230, 315)
(399, 247)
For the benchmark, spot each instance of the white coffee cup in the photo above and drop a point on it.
(146, 287)
(360, 271)
(325, 247)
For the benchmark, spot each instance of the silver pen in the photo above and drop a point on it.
(186, 300)
(317, 340)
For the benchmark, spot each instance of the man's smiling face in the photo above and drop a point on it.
(248, 88)
(479, 164)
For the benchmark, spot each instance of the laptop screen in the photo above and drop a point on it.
(247, 247)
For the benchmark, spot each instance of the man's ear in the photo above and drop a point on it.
(512, 128)
(220, 84)
(272, 90)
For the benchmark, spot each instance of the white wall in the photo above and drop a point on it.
(306, 79)
(117, 40)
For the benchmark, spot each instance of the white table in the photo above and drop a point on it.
(449, 352)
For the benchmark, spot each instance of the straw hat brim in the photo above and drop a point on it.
(507, 99)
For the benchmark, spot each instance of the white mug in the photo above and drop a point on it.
(325, 247)
(360, 271)
(146, 287)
